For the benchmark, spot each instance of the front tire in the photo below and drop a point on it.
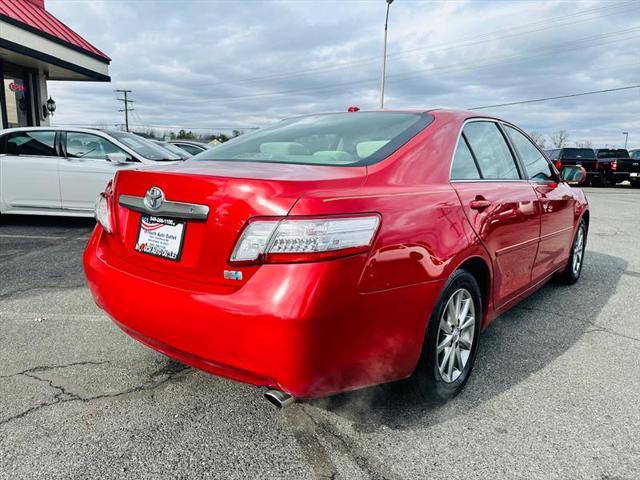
(571, 274)
(451, 342)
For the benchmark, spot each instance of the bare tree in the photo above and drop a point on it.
(560, 138)
(584, 144)
(539, 138)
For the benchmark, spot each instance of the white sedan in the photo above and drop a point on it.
(60, 171)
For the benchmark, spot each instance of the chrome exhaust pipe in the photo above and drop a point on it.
(278, 398)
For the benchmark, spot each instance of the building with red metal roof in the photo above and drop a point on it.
(36, 47)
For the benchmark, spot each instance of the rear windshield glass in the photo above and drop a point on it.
(144, 147)
(349, 139)
(578, 153)
(619, 153)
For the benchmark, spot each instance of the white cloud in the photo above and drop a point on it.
(215, 63)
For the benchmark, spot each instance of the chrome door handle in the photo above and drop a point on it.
(479, 204)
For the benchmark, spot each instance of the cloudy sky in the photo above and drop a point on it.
(213, 65)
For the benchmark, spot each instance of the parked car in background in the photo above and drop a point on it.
(61, 171)
(335, 251)
(183, 154)
(191, 146)
(584, 157)
(618, 165)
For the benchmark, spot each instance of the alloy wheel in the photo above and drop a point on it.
(578, 251)
(455, 335)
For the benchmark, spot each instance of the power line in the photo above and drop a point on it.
(126, 109)
(544, 99)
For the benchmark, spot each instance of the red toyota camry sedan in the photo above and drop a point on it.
(331, 252)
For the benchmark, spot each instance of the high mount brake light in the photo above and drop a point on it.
(304, 239)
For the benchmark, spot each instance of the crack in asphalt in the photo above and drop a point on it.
(63, 395)
(597, 328)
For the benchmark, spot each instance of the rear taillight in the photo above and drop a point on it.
(304, 239)
(596, 166)
(103, 212)
(558, 165)
(614, 165)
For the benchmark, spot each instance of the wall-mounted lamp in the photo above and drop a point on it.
(49, 108)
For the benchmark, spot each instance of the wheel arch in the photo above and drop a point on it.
(481, 271)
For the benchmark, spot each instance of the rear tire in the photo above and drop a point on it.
(571, 274)
(635, 184)
(451, 342)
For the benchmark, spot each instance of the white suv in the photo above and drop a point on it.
(60, 171)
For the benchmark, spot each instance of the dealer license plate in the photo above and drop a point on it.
(634, 174)
(161, 237)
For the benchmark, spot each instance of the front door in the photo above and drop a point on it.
(556, 204)
(500, 205)
(29, 171)
(85, 170)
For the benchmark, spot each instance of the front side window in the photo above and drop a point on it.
(348, 139)
(87, 145)
(535, 164)
(552, 154)
(491, 151)
(34, 143)
(464, 166)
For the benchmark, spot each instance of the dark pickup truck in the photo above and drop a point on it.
(584, 157)
(618, 166)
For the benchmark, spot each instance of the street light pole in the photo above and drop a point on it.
(626, 138)
(384, 55)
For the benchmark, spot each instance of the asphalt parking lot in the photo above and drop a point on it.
(554, 393)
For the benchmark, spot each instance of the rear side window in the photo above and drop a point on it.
(491, 151)
(586, 153)
(619, 153)
(464, 166)
(37, 143)
(535, 164)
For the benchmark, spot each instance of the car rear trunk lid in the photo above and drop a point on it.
(234, 192)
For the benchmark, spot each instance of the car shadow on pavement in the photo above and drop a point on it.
(516, 345)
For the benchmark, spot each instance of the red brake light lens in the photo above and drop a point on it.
(291, 239)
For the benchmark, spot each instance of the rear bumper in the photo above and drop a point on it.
(302, 328)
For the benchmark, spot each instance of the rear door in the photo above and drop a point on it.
(29, 171)
(556, 204)
(85, 170)
(500, 205)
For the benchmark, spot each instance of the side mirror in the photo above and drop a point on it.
(573, 174)
(117, 158)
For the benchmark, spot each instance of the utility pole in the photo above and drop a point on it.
(126, 108)
(626, 139)
(384, 55)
